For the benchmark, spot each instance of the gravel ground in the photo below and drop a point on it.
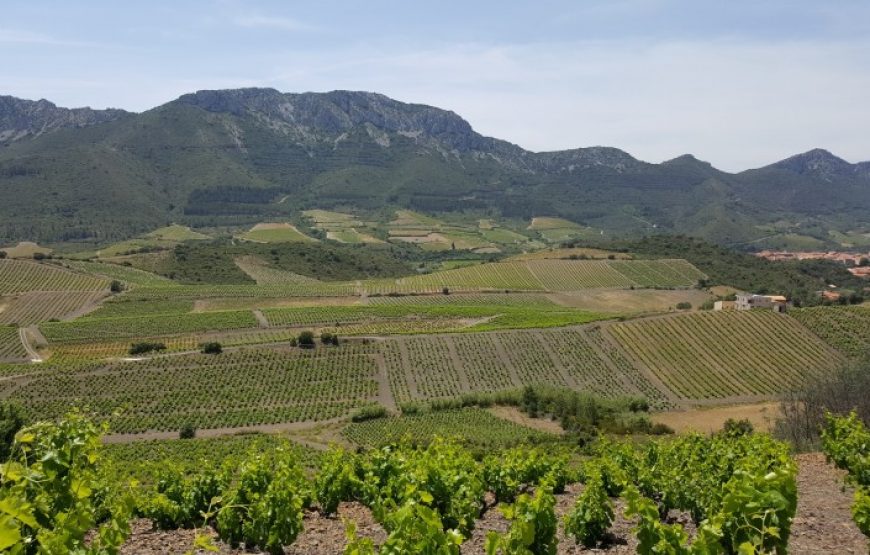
(823, 524)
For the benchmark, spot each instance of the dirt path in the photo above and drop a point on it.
(385, 394)
(457, 363)
(823, 524)
(261, 319)
(506, 361)
(31, 352)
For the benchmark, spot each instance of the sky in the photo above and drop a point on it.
(737, 83)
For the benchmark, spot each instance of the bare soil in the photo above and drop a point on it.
(628, 301)
(706, 420)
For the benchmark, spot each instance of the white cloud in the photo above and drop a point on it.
(271, 22)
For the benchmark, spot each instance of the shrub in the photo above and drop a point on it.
(187, 432)
(146, 347)
(212, 348)
(369, 412)
(326, 338)
(684, 305)
(740, 427)
(116, 286)
(306, 339)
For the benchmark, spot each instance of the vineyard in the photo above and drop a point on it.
(18, 276)
(101, 329)
(243, 388)
(264, 274)
(125, 274)
(545, 275)
(34, 307)
(737, 493)
(10, 344)
(472, 427)
(725, 354)
(846, 328)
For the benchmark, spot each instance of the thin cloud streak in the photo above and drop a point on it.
(271, 22)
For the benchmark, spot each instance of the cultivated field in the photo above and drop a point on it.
(711, 355)
(846, 328)
(17, 276)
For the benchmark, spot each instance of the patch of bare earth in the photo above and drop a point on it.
(321, 535)
(706, 420)
(823, 523)
(515, 415)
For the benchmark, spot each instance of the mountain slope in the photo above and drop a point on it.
(226, 157)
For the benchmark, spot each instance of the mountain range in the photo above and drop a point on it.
(233, 157)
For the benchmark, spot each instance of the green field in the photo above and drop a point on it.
(275, 233)
(473, 427)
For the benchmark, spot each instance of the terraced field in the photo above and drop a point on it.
(18, 276)
(845, 327)
(710, 355)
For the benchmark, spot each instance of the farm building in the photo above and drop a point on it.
(777, 303)
(725, 305)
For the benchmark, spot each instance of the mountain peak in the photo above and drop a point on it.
(818, 162)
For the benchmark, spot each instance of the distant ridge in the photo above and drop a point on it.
(221, 157)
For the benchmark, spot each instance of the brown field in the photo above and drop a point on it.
(25, 249)
(706, 420)
(626, 301)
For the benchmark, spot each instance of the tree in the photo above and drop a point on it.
(116, 286)
(2, 255)
(446, 291)
(187, 432)
(39, 256)
(684, 305)
(326, 338)
(212, 348)
(306, 339)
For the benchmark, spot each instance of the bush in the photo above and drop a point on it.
(369, 412)
(146, 347)
(187, 432)
(116, 286)
(306, 339)
(684, 305)
(326, 338)
(740, 427)
(212, 348)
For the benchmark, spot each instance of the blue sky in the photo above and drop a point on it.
(737, 83)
